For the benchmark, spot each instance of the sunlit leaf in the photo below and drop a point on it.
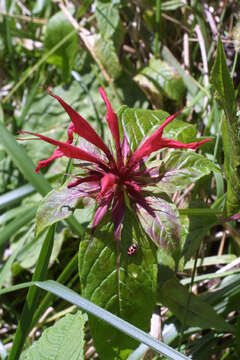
(181, 169)
(64, 340)
(159, 79)
(107, 57)
(140, 123)
(58, 27)
(107, 17)
(126, 289)
(57, 205)
(164, 229)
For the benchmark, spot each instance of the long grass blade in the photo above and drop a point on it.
(86, 305)
(32, 298)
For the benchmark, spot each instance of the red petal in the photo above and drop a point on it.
(167, 121)
(174, 144)
(82, 127)
(101, 211)
(44, 163)
(151, 143)
(108, 183)
(90, 178)
(65, 149)
(112, 120)
(57, 153)
(156, 142)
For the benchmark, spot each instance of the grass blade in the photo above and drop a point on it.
(86, 305)
(23, 161)
(31, 302)
(16, 224)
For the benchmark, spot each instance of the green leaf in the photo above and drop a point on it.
(199, 313)
(57, 205)
(58, 27)
(164, 229)
(182, 168)
(125, 287)
(64, 340)
(140, 123)
(106, 56)
(107, 18)
(191, 84)
(160, 79)
(223, 85)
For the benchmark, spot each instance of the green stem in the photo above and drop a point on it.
(234, 63)
(158, 20)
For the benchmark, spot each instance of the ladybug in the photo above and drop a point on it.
(133, 248)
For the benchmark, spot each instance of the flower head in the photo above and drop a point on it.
(114, 179)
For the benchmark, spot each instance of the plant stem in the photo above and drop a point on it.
(158, 20)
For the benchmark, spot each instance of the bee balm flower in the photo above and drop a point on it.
(114, 179)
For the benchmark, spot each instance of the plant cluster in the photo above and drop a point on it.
(119, 180)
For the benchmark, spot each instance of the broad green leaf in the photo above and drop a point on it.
(159, 79)
(199, 313)
(164, 229)
(64, 340)
(125, 287)
(223, 85)
(106, 55)
(57, 205)
(182, 168)
(58, 27)
(138, 124)
(107, 17)
(191, 84)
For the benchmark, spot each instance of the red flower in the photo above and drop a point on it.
(113, 180)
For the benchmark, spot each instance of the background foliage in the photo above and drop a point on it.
(152, 57)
